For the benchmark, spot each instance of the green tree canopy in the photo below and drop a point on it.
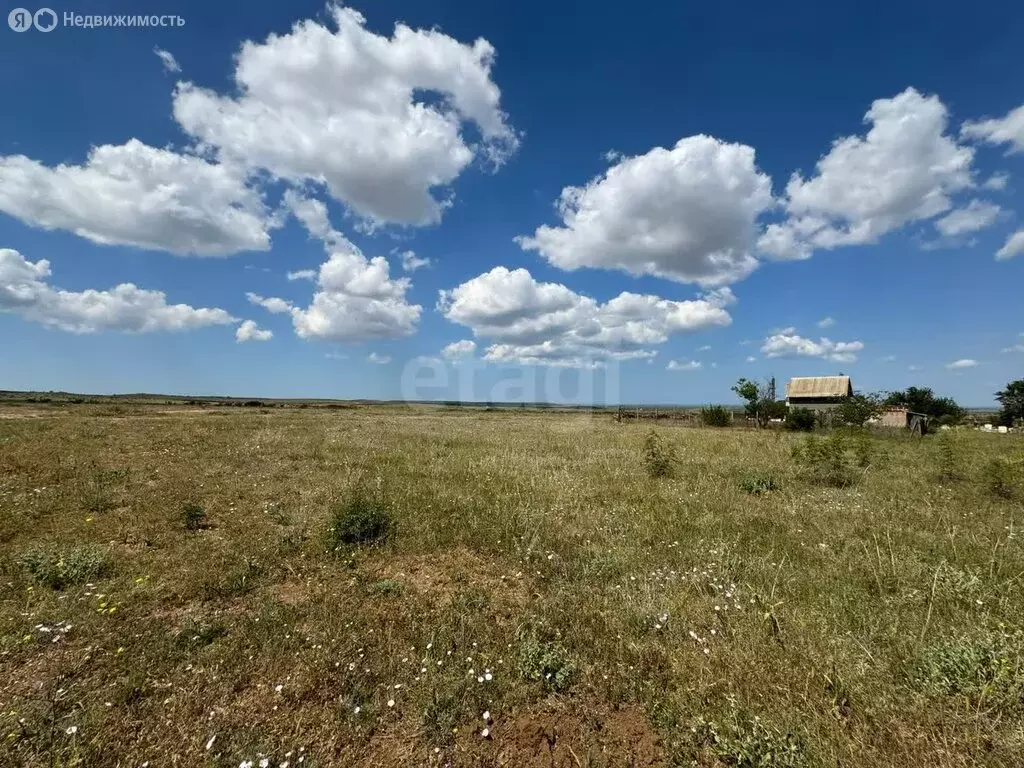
(1012, 400)
(923, 400)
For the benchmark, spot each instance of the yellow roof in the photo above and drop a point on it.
(819, 386)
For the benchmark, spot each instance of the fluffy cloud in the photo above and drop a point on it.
(792, 345)
(168, 60)
(459, 349)
(249, 331)
(355, 297)
(1014, 245)
(997, 181)
(274, 305)
(24, 290)
(903, 170)
(687, 213)
(547, 323)
(1004, 130)
(136, 195)
(411, 262)
(826, 322)
(684, 365)
(975, 216)
(376, 359)
(964, 363)
(344, 107)
(303, 274)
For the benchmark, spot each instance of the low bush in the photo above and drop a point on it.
(360, 520)
(826, 461)
(747, 741)
(545, 661)
(715, 416)
(987, 667)
(998, 477)
(800, 420)
(659, 456)
(193, 517)
(757, 483)
(58, 569)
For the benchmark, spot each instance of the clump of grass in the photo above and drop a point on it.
(193, 517)
(659, 456)
(746, 741)
(545, 661)
(58, 569)
(984, 668)
(998, 477)
(239, 581)
(360, 520)
(715, 416)
(825, 461)
(386, 588)
(757, 483)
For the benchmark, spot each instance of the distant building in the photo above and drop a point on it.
(899, 417)
(818, 393)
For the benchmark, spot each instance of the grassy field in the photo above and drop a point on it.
(179, 588)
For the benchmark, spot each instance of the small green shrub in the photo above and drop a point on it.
(545, 661)
(359, 520)
(800, 420)
(744, 741)
(948, 459)
(239, 581)
(826, 461)
(757, 483)
(58, 569)
(715, 416)
(386, 588)
(659, 456)
(984, 668)
(193, 517)
(998, 477)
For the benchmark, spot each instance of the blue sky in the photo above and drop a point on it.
(683, 254)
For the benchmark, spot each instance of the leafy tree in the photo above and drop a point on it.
(857, 409)
(944, 410)
(1012, 400)
(760, 404)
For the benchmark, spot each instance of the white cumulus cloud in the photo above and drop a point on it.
(687, 213)
(378, 359)
(355, 298)
(339, 105)
(977, 215)
(792, 345)
(684, 365)
(905, 169)
(411, 262)
(826, 322)
(459, 349)
(302, 274)
(274, 305)
(1008, 129)
(1014, 245)
(964, 363)
(531, 322)
(25, 291)
(249, 331)
(136, 195)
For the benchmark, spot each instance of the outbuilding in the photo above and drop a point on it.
(818, 393)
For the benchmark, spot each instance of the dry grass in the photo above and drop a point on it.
(683, 620)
